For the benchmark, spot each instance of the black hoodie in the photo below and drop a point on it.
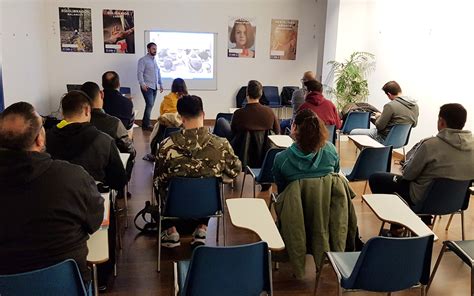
(48, 208)
(96, 152)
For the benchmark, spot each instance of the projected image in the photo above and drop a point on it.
(185, 55)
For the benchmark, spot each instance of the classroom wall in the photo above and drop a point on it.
(422, 44)
(33, 52)
(24, 53)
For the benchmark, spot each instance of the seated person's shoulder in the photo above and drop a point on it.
(67, 171)
(218, 142)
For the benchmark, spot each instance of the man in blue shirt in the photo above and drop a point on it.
(149, 78)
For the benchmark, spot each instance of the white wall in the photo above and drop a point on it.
(24, 53)
(425, 45)
(190, 15)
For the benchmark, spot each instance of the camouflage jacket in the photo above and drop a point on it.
(194, 153)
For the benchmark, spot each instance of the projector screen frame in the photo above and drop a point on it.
(192, 84)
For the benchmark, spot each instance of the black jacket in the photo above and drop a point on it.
(48, 208)
(85, 145)
(113, 127)
(119, 106)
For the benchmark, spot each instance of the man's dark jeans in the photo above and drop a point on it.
(149, 96)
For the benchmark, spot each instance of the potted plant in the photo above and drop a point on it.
(350, 78)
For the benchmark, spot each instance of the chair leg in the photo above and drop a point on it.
(389, 294)
(217, 230)
(158, 266)
(125, 189)
(449, 222)
(243, 183)
(254, 188)
(381, 228)
(434, 221)
(423, 290)
(316, 284)
(435, 268)
(404, 154)
(472, 281)
(462, 224)
(223, 228)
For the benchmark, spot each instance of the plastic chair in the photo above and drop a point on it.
(464, 250)
(192, 198)
(169, 131)
(231, 271)
(226, 116)
(271, 93)
(332, 133)
(63, 278)
(354, 120)
(398, 137)
(223, 129)
(445, 196)
(370, 160)
(384, 265)
(264, 174)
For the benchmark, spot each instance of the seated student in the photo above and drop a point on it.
(400, 110)
(323, 107)
(170, 101)
(297, 99)
(450, 154)
(115, 103)
(254, 116)
(310, 156)
(49, 207)
(76, 140)
(192, 152)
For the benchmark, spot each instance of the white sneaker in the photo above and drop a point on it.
(170, 240)
(199, 237)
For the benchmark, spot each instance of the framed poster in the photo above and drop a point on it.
(283, 39)
(75, 27)
(241, 42)
(119, 31)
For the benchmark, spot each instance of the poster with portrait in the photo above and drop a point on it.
(241, 41)
(75, 27)
(119, 31)
(283, 39)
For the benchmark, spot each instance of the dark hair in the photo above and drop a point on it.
(249, 33)
(454, 114)
(190, 106)
(150, 45)
(179, 86)
(392, 87)
(311, 133)
(313, 85)
(254, 89)
(19, 137)
(74, 101)
(91, 89)
(110, 80)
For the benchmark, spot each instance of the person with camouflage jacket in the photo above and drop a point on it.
(192, 152)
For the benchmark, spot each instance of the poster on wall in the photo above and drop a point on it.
(241, 42)
(2, 102)
(75, 26)
(283, 39)
(119, 31)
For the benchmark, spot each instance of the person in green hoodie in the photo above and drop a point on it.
(450, 154)
(311, 155)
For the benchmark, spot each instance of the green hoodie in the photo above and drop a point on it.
(293, 164)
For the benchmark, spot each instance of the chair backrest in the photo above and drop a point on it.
(71, 87)
(391, 264)
(356, 120)
(331, 133)
(371, 160)
(191, 198)
(226, 116)
(169, 131)
(445, 196)
(271, 93)
(251, 147)
(222, 128)
(60, 279)
(266, 175)
(231, 271)
(241, 96)
(286, 94)
(398, 136)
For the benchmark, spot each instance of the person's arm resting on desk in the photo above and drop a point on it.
(94, 205)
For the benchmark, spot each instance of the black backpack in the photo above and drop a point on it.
(286, 94)
(151, 223)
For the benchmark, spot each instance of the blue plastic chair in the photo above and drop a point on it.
(398, 137)
(271, 93)
(445, 196)
(231, 271)
(384, 265)
(370, 160)
(60, 279)
(223, 129)
(356, 120)
(226, 116)
(332, 133)
(264, 174)
(192, 198)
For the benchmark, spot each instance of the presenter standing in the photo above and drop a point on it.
(149, 77)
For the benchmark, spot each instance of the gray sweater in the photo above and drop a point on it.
(448, 155)
(402, 110)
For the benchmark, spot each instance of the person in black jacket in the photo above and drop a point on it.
(115, 103)
(48, 207)
(108, 124)
(76, 140)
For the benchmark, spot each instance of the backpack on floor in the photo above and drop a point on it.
(150, 223)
